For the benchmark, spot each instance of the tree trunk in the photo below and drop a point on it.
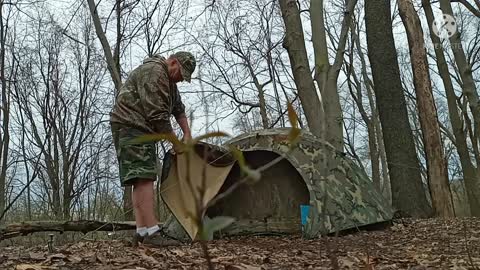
(470, 91)
(294, 42)
(326, 75)
(263, 108)
(465, 70)
(5, 136)
(385, 184)
(84, 226)
(372, 134)
(56, 205)
(111, 63)
(127, 204)
(408, 193)
(469, 171)
(436, 164)
(261, 93)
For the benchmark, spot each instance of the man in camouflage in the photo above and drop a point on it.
(143, 106)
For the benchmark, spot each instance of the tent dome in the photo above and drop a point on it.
(337, 193)
(340, 195)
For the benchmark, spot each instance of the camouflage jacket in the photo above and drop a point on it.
(148, 98)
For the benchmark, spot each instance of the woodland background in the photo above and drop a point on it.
(369, 77)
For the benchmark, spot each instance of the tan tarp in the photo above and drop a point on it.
(180, 196)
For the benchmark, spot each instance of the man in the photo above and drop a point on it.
(143, 106)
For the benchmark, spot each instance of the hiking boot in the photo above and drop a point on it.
(136, 239)
(159, 239)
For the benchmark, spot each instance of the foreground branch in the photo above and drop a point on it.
(84, 226)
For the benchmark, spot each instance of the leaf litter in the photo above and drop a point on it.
(408, 244)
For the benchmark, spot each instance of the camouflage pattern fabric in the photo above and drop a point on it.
(148, 98)
(187, 64)
(174, 229)
(134, 160)
(341, 195)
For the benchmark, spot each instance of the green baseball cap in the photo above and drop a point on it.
(187, 64)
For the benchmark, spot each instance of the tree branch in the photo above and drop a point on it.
(84, 226)
(470, 7)
(105, 45)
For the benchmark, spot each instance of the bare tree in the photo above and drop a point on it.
(436, 163)
(295, 44)
(474, 10)
(470, 173)
(113, 63)
(5, 111)
(356, 91)
(63, 101)
(112, 60)
(407, 190)
(243, 63)
(326, 75)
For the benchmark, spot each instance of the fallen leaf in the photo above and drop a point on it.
(101, 259)
(34, 267)
(242, 267)
(58, 256)
(348, 262)
(90, 257)
(37, 256)
(75, 259)
(149, 259)
(223, 259)
(178, 252)
(103, 267)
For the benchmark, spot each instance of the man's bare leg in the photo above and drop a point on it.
(143, 203)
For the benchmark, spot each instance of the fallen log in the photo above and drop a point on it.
(84, 226)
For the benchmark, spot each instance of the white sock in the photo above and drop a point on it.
(152, 229)
(142, 231)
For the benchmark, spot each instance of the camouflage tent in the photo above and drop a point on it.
(339, 193)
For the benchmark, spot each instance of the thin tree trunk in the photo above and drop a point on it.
(263, 108)
(326, 75)
(111, 63)
(261, 92)
(469, 171)
(127, 203)
(432, 141)
(5, 136)
(465, 71)
(372, 146)
(385, 186)
(408, 193)
(294, 42)
(372, 140)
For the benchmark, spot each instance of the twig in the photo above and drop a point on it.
(201, 209)
(34, 176)
(204, 246)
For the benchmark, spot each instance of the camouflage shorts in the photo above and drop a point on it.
(135, 161)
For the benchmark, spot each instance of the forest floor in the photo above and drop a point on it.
(409, 244)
